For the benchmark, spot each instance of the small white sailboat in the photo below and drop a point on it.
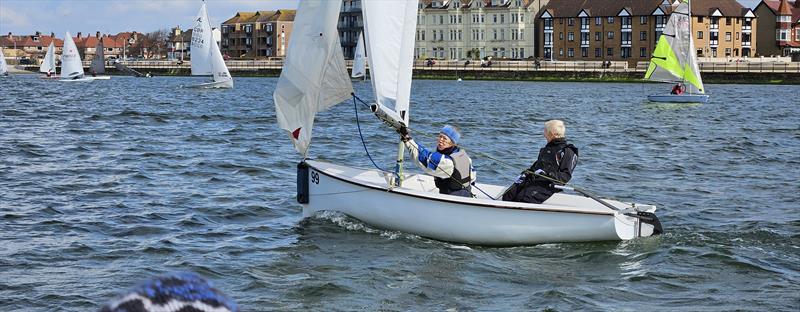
(206, 58)
(360, 59)
(3, 64)
(48, 66)
(98, 65)
(71, 65)
(674, 60)
(315, 78)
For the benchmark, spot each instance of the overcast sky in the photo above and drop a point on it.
(113, 16)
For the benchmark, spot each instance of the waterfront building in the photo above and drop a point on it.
(259, 34)
(470, 29)
(35, 46)
(779, 28)
(628, 30)
(178, 43)
(351, 23)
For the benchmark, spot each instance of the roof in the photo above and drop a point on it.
(571, 8)
(240, 17)
(728, 8)
(774, 6)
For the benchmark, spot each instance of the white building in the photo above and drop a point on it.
(468, 29)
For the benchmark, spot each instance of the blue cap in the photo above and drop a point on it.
(451, 133)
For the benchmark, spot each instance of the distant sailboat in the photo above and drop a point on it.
(674, 60)
(48, 66)
(71, 65)
(99, 62)
(206, 58)
(125, 69)
(3, 65)
(360, 59)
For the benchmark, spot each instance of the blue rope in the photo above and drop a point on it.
(358, 123)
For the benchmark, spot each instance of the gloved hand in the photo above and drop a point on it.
(539, 172)
(520, 178)
(404, 136)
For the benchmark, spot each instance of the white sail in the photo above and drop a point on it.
(314, 75)
(389, 26)
(201, 44)
(71, 65)
(674, 58)
(221, 73)
(359, 59)
(3, 66)
(49, 61)
(99, 61)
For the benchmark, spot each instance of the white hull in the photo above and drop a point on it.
(84, 79)
(214, 85)
(419, 209)
(674, 98)
(100, 77)
(51, 77)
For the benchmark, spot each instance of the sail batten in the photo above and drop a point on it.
(314, 75)
(674, 57)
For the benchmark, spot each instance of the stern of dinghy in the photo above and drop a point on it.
(638, 221)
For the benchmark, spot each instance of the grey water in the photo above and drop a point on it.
(105, 184)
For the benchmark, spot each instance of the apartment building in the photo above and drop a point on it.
(779, 28)
(723, 29)
(351, 24)
(470, 29)
(628, 30)
(259, 34)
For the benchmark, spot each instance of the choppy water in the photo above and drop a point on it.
(107, 183)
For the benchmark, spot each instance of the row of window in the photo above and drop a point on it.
(476, 18)
(643, 52)
(477, 34)
(626, 21)
(458, 53)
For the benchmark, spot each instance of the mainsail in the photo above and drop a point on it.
(314, 75)
(359, 59)
(49, 61)
(3, 66)
(99, 61)
(389, 26)
(71, 66)
(674, 58)
(201, 44)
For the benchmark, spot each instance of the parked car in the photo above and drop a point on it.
(25, 61)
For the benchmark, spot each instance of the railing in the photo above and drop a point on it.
(746, 43)
(740, 65)
(714, 26)
(747, 27)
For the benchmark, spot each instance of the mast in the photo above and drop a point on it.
(689, 46)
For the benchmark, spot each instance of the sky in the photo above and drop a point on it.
(114, 16)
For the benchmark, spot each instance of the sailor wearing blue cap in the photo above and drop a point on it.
(450, 166)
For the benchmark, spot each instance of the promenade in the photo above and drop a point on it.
(713, 72)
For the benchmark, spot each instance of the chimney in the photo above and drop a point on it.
(10, 36)
(797, 4)
(97, 34)
(38, 33)
(52, 35)
(79, 35)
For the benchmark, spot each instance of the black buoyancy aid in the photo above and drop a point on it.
(461, 173)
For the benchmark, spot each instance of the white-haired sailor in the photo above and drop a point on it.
(450, 166)
(556, 162)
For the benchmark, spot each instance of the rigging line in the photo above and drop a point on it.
(454, 179)
(358, 123)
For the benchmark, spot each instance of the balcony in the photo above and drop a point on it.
(584, 43)
(746, 44)
(584, 27)
(713, 26)
(747, 28)
(626, 27)
(625, 43)
(713, 43)
(548, 43)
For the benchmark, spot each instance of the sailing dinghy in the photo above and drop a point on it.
(3, 64)
(206, 58)
(315, 78)
(98, 65)
(71, 65)
(360, 60)
(674, 60)
(48, 66)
